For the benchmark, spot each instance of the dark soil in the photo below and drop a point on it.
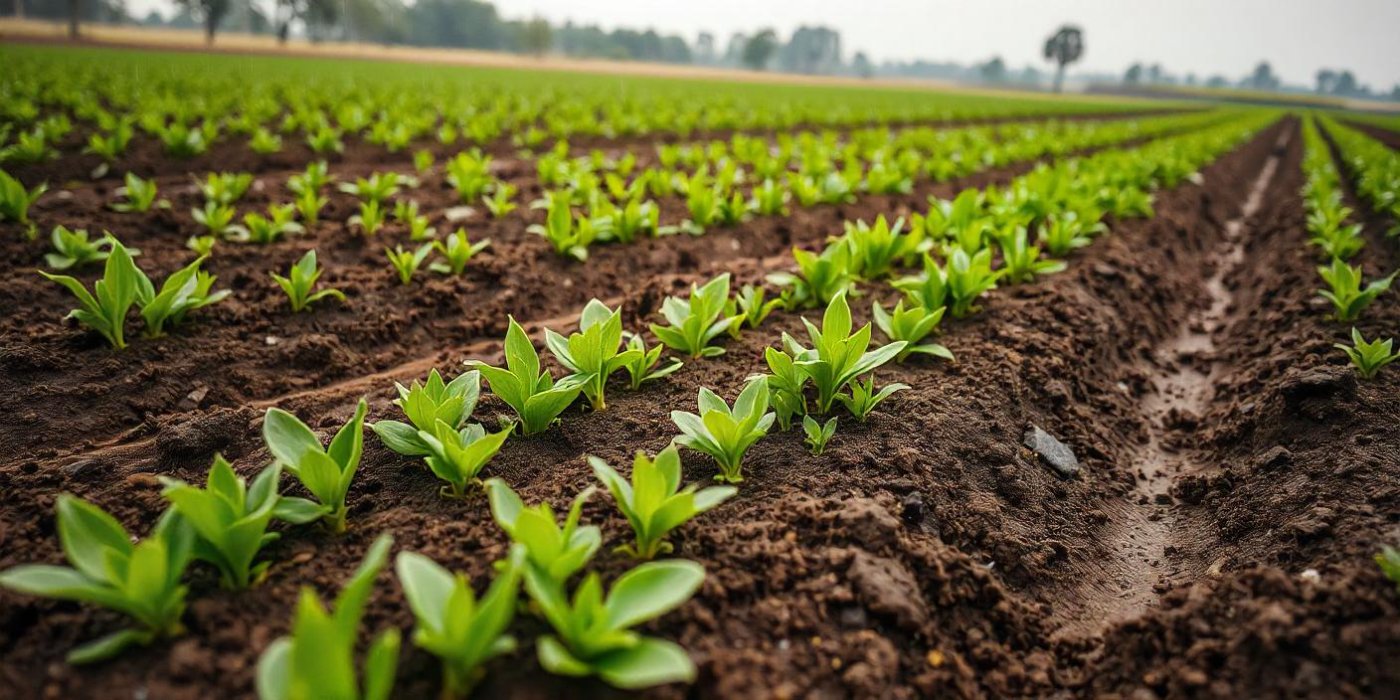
(925, 554)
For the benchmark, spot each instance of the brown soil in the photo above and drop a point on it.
(925, 554)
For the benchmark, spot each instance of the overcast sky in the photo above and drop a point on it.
(1202, 36)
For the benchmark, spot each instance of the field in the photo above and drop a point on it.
(1119, 451)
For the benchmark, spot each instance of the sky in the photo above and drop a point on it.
(1205, 37)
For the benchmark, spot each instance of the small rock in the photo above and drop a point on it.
(456, 214)
(80, 468)
(1055, 453)
(913, 507)
(1299, 385)
(1277, 457)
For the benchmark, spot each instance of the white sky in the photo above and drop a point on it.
(1201, 36)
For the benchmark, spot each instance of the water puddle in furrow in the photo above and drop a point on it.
(1128, 583)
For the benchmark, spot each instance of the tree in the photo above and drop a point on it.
(210, 12)
(705, 48)
(1216, 81)
(1133, 75)
(1155, 74)
(536, 36)
(993, 71)
(311, 12)
(860, 63)
(1326, 79)
(1263, 77)
(75, 10)
(1064, 47)
(759, 48)
(1345, 84)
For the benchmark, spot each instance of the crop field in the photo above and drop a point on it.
(351, 379)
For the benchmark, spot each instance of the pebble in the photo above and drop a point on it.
(1055, 453)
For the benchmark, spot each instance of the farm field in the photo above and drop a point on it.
(1098, 432)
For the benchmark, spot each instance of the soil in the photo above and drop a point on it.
(1184, 359)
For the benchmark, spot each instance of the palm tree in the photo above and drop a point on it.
(1064, 47)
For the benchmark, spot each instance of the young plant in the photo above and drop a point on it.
(141, 580)
(325, 472)
(726, 433)
(837, 356)
(426, 404)
(74, 249)
(202, 246)
(15, 200)
(1389, 561)
(407, 262)
(225, 188)
(452, 624)
(309, 204)
(642, 367)
(457, 456)
(1021, 261)
(264, 142)
(316, 176)
(820, 276)
(317, 660)
(534, 396)
(752, 307)
(300, 278)
(185, 290)
(421, 229)
(104, 309)
(875, 250)
(217, 219)
(817, 434)
(696, 322)
(593, 635)
(911, 325)
(967, 278)
(570, 237)
(230, 519)
(1368, 358)
(140, 196)
(1345, 292)
(422, 160)
(594, 353)
(864, 398)
(457, 250)
(654, 502)
(1061, 235)
(500, 201)
(268, 229)
(554, 552)
(370, 219)
(377, 188)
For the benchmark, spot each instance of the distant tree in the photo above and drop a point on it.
(759, 48)
(1326, 80)
(1395, 93)
(1216, 81)
(860, 63)
(993, 71)
(1263, 77)
(1155, 73)
(705, 48)
(311, 12)
(1064, 47)
(811, 50)
(1345, 84)
(210, 12)
(75, 11)
(1191, 79)
(734, 50)
(536, 36)
(1030, 76)
(1133, 75)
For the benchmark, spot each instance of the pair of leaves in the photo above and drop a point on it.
(696, 322)
(325, 472)
(317, 660)
(532, 393)
(299, 281)
(653, 501)
(726, 433)
(593, 633)
(556, 551)
(141, 580)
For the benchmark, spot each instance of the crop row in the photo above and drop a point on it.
(187, 107)
(1339, 238)
(957, 252)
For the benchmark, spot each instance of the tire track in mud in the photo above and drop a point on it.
(1142, 533)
